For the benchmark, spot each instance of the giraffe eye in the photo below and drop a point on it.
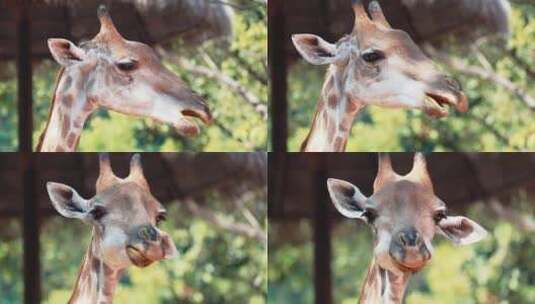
(98, 212)
(370, 215)
(127, 65)
(439, 216)
(373, 56)
(160, 218)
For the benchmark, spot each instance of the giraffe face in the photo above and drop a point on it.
(378, 65)
(404, 214)
(128, 77)
(124, 216)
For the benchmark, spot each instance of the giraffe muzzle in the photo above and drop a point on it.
(408, 250)
(444, 93)
(137, 257)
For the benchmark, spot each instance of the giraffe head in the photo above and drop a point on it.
(378, 65)
(124, 216)
(128, 77)
(405, 214)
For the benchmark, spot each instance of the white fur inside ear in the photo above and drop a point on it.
(65, 52)
(314, 49)
(462, 230)
(67, 201)
(347, 198)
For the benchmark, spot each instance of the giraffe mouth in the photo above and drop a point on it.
(437, 104)
(205, 116)
(407, 268)
(137, 257)
(187, 124)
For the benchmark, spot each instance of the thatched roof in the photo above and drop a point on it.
(171, 176)
(459, 178)
(425, 20)
(155, 21)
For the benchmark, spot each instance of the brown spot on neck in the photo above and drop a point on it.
(340, 144)
(333, 101)
(66, 124)
(67, 101)
(71, 140)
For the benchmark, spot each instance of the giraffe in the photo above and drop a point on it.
(373, 65)
(120, 75)
(405, 215)
(124, 217)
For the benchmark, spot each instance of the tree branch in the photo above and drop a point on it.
(258, 76)
(211, 73)
(524, 222)
(483, 73)
(216, 220)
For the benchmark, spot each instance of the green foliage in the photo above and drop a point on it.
(11, 285)
(238, 126)
(499, 269)
(497, 120)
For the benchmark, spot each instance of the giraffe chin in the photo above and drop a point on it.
(437, 105)
(137, 258)
(187, 127)
(407, 267)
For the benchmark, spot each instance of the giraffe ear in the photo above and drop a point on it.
(65, 52)
(67, 201)
(347, 198)
(314, 49)
(462, 230)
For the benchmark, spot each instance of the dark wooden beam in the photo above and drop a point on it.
(278, 72)
(30, 214)
(24, 76)
(31, 219)
(322, 243)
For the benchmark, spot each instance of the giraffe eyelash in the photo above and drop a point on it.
(98, 212)
(439, 216)
(161, 218)
(127, 65)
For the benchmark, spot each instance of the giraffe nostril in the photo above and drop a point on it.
(454, 83)
(402, 239)
(148, 233)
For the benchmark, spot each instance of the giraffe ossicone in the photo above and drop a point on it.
(120, 75)
(404, 214)
(373, 65)
(124, 217)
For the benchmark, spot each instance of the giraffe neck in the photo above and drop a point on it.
(70, 108)
(383, 286)
(96, 281)
(334, 116)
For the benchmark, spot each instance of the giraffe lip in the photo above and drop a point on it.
(204, 115)
(437, 103)
(407, 268)
(137, 257)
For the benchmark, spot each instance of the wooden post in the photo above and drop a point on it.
(277, 39)
(30, 216)
(24, 77)
(32, 273)
(322, 243)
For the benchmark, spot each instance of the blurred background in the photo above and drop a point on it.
(486, 44)
(216, 216)
(318, 256)
(218, 47)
